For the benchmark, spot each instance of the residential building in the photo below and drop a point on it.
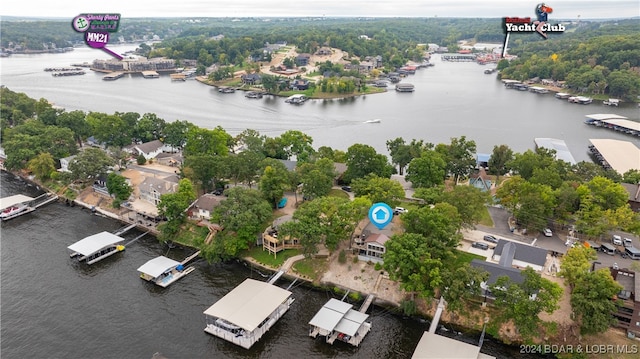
(251, 79)
(149, 149)
(496, 271)
(203, 207)
(628, 314)
(634, 195)
(65, 162)
(373, 248)
(520, 255)
(152, 188)
(303, 59)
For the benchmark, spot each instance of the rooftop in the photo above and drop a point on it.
(155, 267)
(13, 200)
(524, 253)
(620, 155)
(94, 243)
(248, 304)
(434, 346)
(605, 116)
(562, 151)
(338, 315)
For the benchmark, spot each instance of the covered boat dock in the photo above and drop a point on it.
(614, 122)
(434, 346)
(246, 313)
(14, 206)
(620, 156)
(96, 247)
(337, 320)
(163, 271)
(562, 151)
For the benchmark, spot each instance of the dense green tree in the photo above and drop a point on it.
(523, 302)
(148, 128)
(363, 160)
(243, 214)
(42, 165)
(470, 203)
(207, 170)
(402, 153)
(119, 188)
(317, 178)
(442, 223)
(411, 260)
(525, 163)
(175, 133)
(173, 206)
(531, 204)
(378, 189)
(460, 157)
(76, 122)
(273, 182)
(89, 165)
(576, 263)
(298, 144)
(428, 170)
(245, 167)
(112, 130)
(567, 203)
(592, 302)
(201, 141)
(631, 176)
(462, 284)
(603, 192)
(500, 156)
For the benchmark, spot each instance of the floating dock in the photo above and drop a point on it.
(150, 75)
(561, 148)
(14, 206)
(405, 87)
(337, 320)
(621, 156)
(614, 122)
(246, 313)
(113, 76)
(96, 247)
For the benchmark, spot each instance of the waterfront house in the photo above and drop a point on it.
(251, 79)
(519, 255)
(628, 314)
(65, 162)
(273, 243)
(480, 181)
(152, 188)
(203, 207)
(373, 248)
(300, 84)
(496, 271)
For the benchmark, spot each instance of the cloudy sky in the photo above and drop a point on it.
(562, 9)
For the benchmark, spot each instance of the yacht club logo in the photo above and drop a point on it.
(540, 25)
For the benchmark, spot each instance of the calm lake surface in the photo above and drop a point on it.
(55, 308)
(450, 100)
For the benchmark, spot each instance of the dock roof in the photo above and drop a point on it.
(605, 116)
(632, 125)
(94, 243)
(155, 267)
(338, 315)
(248, 304)
(562, 151)
(434, 346)
(620, 155)
(13, 200)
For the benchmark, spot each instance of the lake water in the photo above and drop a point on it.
(450, 100)
(53, 307)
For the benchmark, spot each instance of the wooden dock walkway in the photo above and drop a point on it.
(190, 258)
(367, 303)
(125, 229)
(285, 267)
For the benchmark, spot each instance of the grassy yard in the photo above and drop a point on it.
(338, 193)
(192, 235)
(486, 218)
(465, 257)
(266, 258)
(311, 267)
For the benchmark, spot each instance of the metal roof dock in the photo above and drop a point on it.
(13, 200)
(163, 271)
(614, 122)
(337, 320)
(562, 151)
(96, 247)
(620, 156)
(247, 312)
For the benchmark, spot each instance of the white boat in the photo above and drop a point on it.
(537, 89)
(296, 99)
(163, 271)
(375, 120)
(611, 102)
(96, 247)
(563, 95)
(253, 94)
(13, 206)
(580, 100)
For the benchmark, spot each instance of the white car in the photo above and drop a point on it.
(617, 240)
(547, 232)
(400, 210)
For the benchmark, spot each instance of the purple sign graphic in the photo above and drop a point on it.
(96, 29)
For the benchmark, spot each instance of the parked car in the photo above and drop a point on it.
(346, 188)
(490, 238)
(547, 232)
(617, 240)
(627, 242)
(400, 210)
(480, 245)
(218, 191)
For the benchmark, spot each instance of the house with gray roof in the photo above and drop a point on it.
(519, 255)
(149, 149)
(496, 271)
(634, 195)
(203, 207)
(374, 248)
(152, 188)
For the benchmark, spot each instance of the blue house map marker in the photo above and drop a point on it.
(380, 214)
